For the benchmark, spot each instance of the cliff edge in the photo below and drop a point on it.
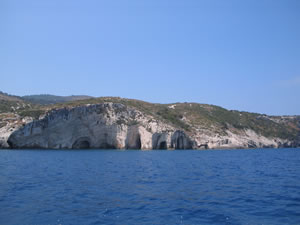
(116, 123)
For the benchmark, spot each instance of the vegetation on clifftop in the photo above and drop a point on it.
(187, 116)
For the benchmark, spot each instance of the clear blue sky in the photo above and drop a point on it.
(241, 55)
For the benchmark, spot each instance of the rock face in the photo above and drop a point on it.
(245, 139)
(116, 126)
(107, 126)
(5, 132)
(12, 124)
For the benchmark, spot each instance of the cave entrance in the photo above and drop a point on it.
(179, 143)
(162, 145)
(138, 143)
(134, 143)
(81, 143)
(84, 144)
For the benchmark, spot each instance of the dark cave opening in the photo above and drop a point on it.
(81, 144)
(138, 142)
(179, 143)
(162, 145)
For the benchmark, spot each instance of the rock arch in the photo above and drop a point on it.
(181, 141)
(133, 139)
(82, 143)
(160, 141)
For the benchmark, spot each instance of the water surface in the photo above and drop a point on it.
(45, 187)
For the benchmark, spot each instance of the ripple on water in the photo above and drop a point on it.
(159, 187)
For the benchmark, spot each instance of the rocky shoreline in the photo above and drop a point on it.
(117, 126)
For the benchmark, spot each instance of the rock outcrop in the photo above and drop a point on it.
(12, 123)
(104, 126)
(117, 126)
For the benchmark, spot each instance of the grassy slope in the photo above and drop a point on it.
(15, 104)
(53, 99)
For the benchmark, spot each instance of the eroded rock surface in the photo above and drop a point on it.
(107, 125)
(116, 126)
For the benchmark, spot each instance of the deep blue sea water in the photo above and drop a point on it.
(51, 187)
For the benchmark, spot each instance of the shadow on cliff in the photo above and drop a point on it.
(133, 138)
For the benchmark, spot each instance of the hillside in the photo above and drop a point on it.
(195, 116)
(33, 105)
(204, 123)
(53, 99)
(11, 103)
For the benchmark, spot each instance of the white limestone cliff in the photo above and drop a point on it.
(108, 125)
(116, 126)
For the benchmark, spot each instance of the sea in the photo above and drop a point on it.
(69, 187)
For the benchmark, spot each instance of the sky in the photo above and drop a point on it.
(242, 55)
